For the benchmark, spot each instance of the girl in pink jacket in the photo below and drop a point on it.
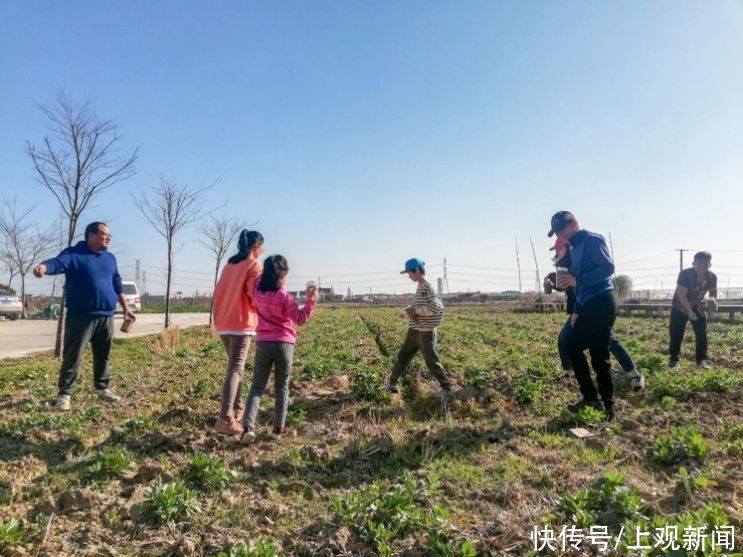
(277, 311)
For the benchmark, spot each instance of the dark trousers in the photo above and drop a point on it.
(616, 348)
(677, 328)
(425, 341)
(98, 330)
(592, 331)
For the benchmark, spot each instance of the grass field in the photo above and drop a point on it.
(363, 473)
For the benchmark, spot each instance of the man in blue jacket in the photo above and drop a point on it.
(594, 313)
(93, 286)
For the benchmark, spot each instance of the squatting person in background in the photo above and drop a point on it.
(691, 286)
(92, 287)
(277, 311)
(425, 314)
(235, 320)
(594, 313)
(562, 259)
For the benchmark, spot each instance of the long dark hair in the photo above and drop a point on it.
(247, 241)
(274, 267)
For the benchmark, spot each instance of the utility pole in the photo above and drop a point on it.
(446, 280)
(681, 257)
(611, 245)
(518, 261)
(539, 282)
(137, 275)
(144, 281)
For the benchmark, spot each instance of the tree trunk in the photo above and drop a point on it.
(214, 288)
(60, 324)
(60, 321)
(167, 286)
(23, 297)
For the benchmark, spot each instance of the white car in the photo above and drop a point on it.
(131, 293)
(10, 305)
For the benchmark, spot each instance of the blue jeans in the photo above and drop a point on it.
(615, 347)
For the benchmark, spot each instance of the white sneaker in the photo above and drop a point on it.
(62, 403)
(636, 381)
(247, 437)
(704, 364)
(107, 395)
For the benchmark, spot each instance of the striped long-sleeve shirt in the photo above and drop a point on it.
(428, 307)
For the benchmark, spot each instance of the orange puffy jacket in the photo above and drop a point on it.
(234, 307)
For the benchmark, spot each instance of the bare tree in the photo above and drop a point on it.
(217, 235)
(7, 262)
(80, 158)
(23, 243)
(169, 208)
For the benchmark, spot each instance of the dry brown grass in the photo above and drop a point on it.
(166, 341)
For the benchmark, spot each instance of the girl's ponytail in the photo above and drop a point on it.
(247, 240)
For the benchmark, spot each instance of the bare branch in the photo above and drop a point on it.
(218, 234)
(23, 243)
(169, 208)
(80, 157)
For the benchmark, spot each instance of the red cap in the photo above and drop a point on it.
(559, 244)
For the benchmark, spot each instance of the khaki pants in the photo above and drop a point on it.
(425, 341)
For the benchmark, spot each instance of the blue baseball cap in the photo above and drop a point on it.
(412, 265)
(559, 221)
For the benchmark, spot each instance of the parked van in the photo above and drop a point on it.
(131, 292)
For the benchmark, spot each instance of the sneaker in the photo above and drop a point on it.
(277, 433)
(248, 436)
(673, 364)
(578, 406)
(107, 395)
(228, 426)
(238, 412)
(704, 364)
(636, 380)
(390, 388)
(567, 374)
(62, 403)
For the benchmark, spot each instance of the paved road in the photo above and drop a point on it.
(21, 337)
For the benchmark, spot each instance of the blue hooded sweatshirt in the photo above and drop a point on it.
(92, 280)
(592, 267)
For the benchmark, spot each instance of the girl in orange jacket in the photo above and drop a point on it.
(235, 320)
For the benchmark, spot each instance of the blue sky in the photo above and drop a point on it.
(358, 134)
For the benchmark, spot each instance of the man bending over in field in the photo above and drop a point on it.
(594, 313)
(691, 286)
(425, 314)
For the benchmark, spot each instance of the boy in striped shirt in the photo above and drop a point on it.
(425, 314)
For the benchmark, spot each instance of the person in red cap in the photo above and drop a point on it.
(562, 259)
(425, 314)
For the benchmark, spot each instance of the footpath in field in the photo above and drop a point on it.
(363, 473)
